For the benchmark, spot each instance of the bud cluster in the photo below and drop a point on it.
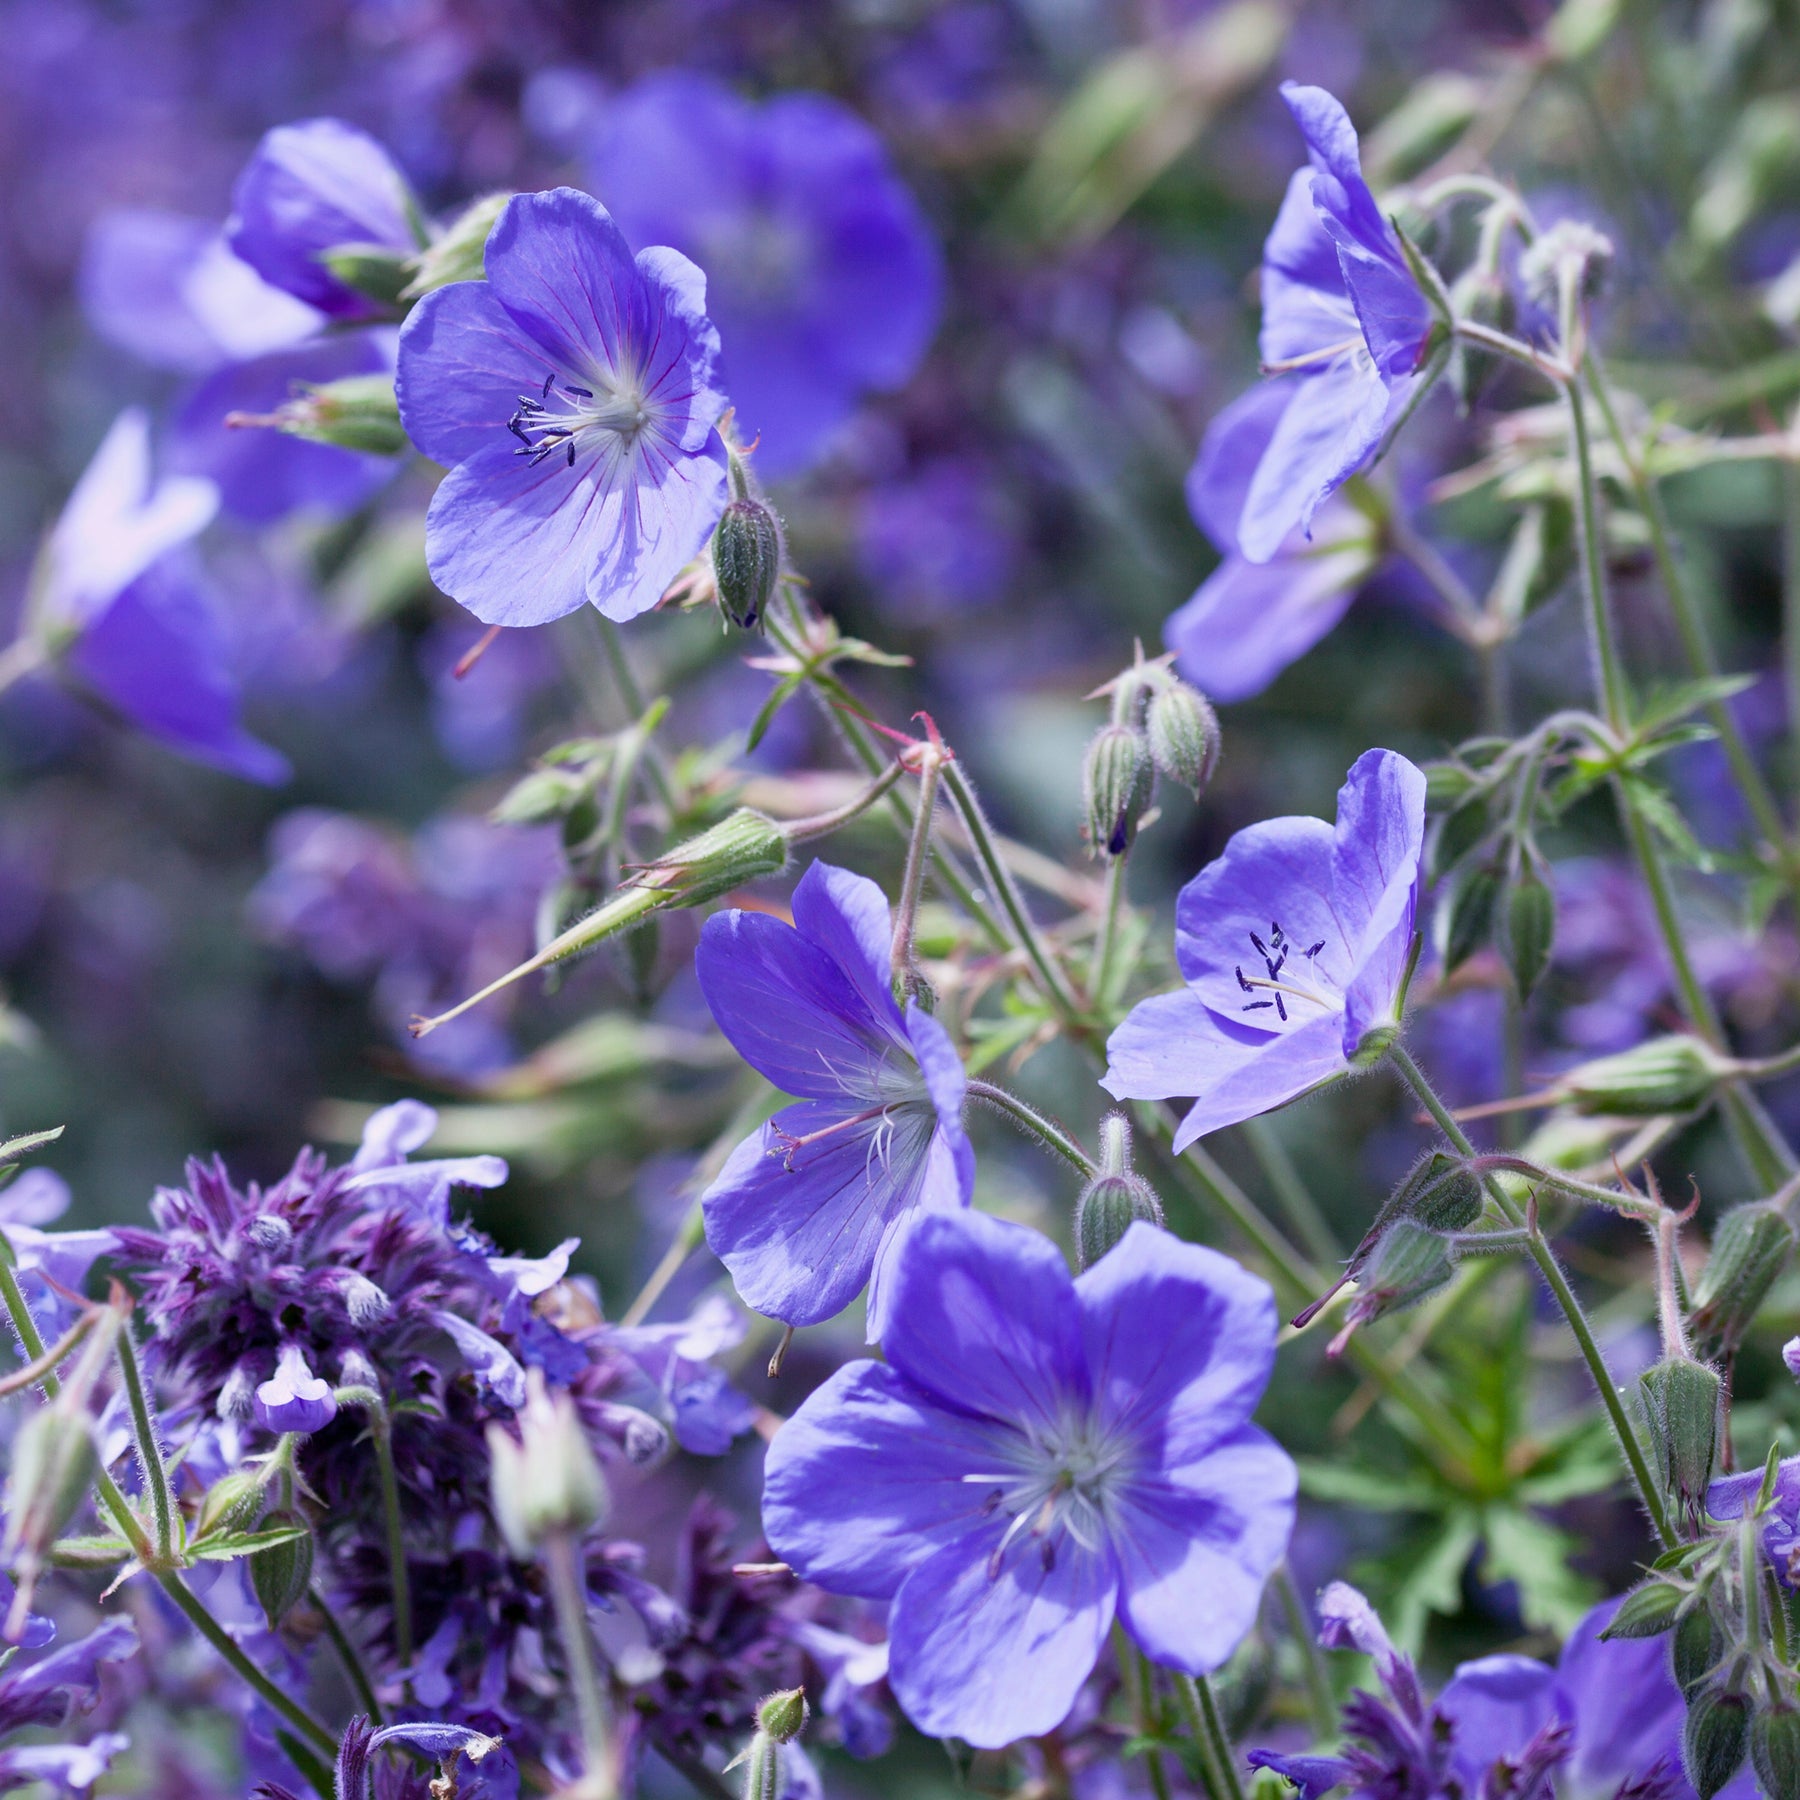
(1159, 726)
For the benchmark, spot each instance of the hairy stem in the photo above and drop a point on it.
(912, 882)
(568, 1595)
(1216, 1755)
(1035, 1124)
(149, 1447)
(1564, 1295)
(347, 1654)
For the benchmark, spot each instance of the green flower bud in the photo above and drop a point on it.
(1117, 780)
(459, 253)
(746, 557)
(742, 847)
(783, 1715)
(358, 412)
(545, 1481)
(1696, 1647)
(1750, 1249)
(231, 1504)
(1646, 1611)
(1775, 1750)
(1573, 249)
(371, 269)
(1530, 926)
(1681, 1401)
(54, 1463)
(1184, 735)
(281, 1574)
(1440, 1192)
(1715, 1739)
(1409, 1262)
(1665, 1075)
(1465, 920)
(1108, 1208)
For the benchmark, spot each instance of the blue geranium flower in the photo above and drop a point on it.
(822, 272)
(129, 622)
(815, 1204)
(1344, 325)
(574, 395)
(1038, 1453)
(1248, 620)
(1295, 945)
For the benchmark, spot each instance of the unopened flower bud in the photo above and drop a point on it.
(459, 252)
(1571, 250)
(783, 1715)
(1646, 1611)
(358, 412)
(1671, 1074)
(54, 1463)
(1529, 926)
(1440, 1192)
(1464, 922)
(743, 846)
(746, 556)
(371, 269)
(1696, 1647)
(1117, 779)
(1715, 1739)
(1184, 735)
(231, 1503)
(1116, 1198)
(281, 1573)
(1750, 1249)
(1681, 1402)
(1410, 1262)
(1775, 1750)
(545, 1481)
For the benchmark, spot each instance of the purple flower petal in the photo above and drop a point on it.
(294, 1398)
(985, 1319)
(866, 1480)
(995, 1658)
(1497, 1704)
(492, 1364)
(35, 1198)
(465, 363)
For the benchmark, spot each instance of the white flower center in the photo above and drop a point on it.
(1290, 980)
(1066, 1478)
(564, 417)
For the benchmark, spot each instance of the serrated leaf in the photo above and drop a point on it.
(1535, 1556)
(1372, 1490)
(1661, 815)
(1430, 1578)
(1666, 705)
(222, 1546)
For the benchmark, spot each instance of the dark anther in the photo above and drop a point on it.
(992, 1503)
(571, 453)
(1314, 951)
(1257, 1006)
(549, 383)
(570, 388)
(1280, 1010)
(1047, 1555)
(1262, 949)
(1245, 985)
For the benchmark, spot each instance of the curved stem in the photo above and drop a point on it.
(348, 1655)
(1034, 1123)
(987, 853)
(803, 831)
(632, 693)
(688, 1237)
(149, 1447)
(381, 1431)
(1143, 1704)
(1320, 1701)
(912, 882)
(1558, 1284)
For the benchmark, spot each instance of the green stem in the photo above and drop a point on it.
(381, 1431)
(912, 882)
(1320, 1701)
(1035, 1124)
(221, 1640)
(1558, 1283)
(568, 1595)
(1143, 1704)
(803, 831)
(1602, 642)
(632, 693)
(348, 1655)
(987, 853)
(149, 1449)
(688, 1237)
(1296, 1199)
(1688, 622)
(1100, 984)
(1216, 1756)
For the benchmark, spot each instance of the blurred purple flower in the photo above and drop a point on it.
(1248, 620)
(574, 397)
(166, 288)
(1338, 907)
(64, 1768)
(133, 625)
(1037, 1452)
(814, 1205)
(261, 474)
(1606, 1720)
(1730, 1494)
(937, 542)
(48, 1690)
(481, 717)
(1344, 325)
(48, 1260)
(678, 1360)
(310, 188)
(822, 274)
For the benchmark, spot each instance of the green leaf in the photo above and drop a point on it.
(14, 1148)
(783, 691)
(222, 1546)
(1535, 1556)
(1661, 815)
(1430, 1578)
(1373, 1490)
(1666, 705)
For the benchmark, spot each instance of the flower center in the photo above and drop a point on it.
(1291, 974)
(561, 414)
(1066, 1479)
